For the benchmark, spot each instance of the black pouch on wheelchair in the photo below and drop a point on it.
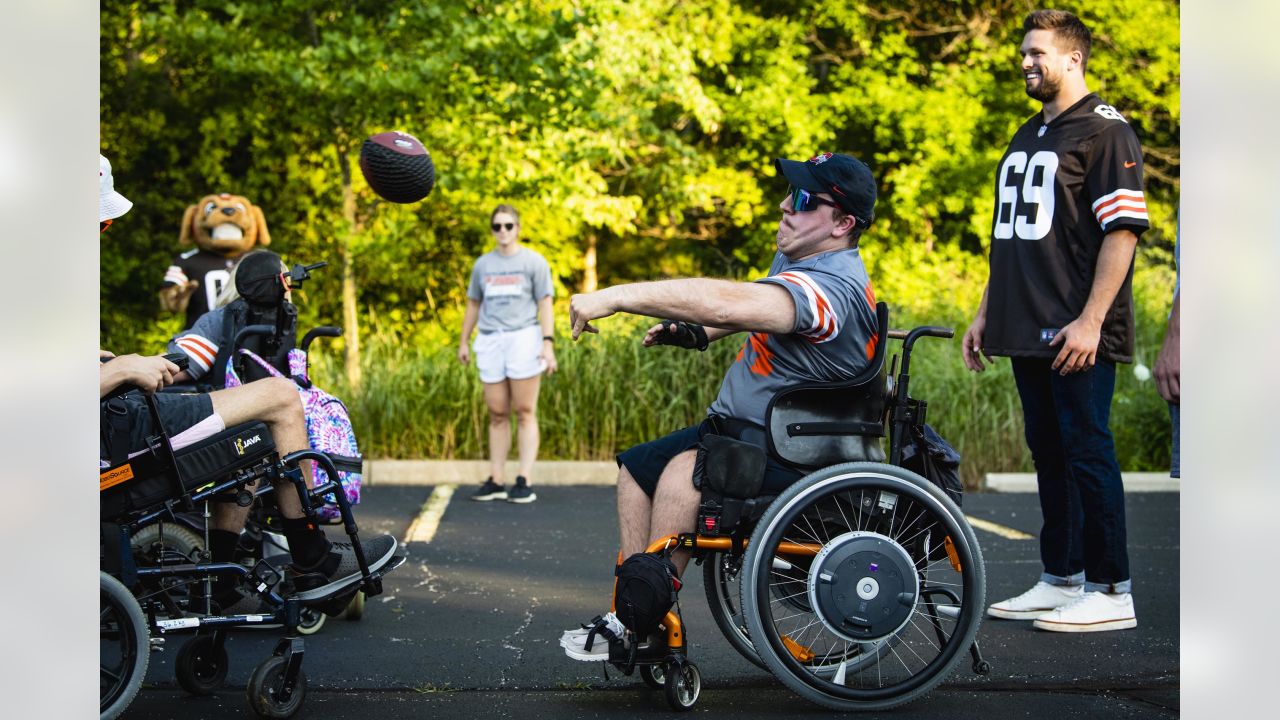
(729, 472)
(933, 458)
(647, 588)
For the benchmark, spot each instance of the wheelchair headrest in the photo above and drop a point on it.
(260, 278)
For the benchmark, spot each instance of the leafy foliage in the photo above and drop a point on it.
(642, 128)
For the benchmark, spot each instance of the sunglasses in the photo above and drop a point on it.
(502, 226)
(103, 225)
(805, 201)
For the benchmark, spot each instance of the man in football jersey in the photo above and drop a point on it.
(1059, 304)
(812, 319)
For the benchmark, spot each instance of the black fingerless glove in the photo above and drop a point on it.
(687, 335)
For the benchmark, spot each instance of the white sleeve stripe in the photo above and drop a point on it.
(1121, 194)
(825, 326)
(1127, 214)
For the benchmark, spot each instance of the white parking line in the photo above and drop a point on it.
(423, 528)
(998, 529)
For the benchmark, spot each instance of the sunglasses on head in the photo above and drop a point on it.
(805, 201)
(502, 226)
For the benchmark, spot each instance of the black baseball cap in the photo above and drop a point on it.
(846, 179)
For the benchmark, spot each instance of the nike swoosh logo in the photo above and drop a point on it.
(1130, 164)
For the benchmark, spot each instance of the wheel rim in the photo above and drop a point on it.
(688, 686)
(914, 520)
(118, 648)
(726, 574)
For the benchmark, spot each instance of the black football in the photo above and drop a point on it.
(397, 167)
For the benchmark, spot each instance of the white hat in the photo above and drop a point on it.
(111, 204)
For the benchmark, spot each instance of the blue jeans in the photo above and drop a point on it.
(1081, 494)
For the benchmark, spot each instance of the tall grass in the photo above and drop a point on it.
(418, 401)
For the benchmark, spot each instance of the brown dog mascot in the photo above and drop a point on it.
(223, 227)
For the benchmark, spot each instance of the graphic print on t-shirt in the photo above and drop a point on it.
(496, 286)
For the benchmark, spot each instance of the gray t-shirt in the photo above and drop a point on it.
(508, 289)
(834, 338)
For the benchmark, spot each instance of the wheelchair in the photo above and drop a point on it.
(141, 603)
(270, 332)
(862, 585)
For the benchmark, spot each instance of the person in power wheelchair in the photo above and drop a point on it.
(816, 339)
(320, 566)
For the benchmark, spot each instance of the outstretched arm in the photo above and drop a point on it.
(725, 306)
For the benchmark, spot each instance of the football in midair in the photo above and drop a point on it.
(397, 167)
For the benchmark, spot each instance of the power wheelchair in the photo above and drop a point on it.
(862, 585)
(138, 604)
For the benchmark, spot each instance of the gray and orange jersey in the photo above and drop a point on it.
(834, 337)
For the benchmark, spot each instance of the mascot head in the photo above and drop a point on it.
(228, 225)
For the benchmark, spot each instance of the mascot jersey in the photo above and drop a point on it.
(211, 269)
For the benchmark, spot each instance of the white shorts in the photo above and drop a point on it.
(502, 355)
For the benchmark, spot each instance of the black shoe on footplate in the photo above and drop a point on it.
(339, 572)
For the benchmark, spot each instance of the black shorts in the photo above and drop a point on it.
(646, 462)
(178, 412)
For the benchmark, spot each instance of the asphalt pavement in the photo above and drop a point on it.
(469, 627)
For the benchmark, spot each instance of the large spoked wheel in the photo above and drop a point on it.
(848, 600)
(683, 685)
(161, 544)
(201, 666)
(721, 576)
(125, 645)
(266, 690)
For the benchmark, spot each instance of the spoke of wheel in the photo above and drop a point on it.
(114, 677)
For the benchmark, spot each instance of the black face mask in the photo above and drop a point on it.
(258, 279)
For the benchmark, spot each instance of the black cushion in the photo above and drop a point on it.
(145, 481)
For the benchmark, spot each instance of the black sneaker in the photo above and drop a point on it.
(339, 570)
(521, 493)
(490, 490)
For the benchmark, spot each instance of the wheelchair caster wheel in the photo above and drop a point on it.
(266, 690)
(653, 676)
(683, 684)
(982, 667)
(201, 666)
(310, 621)
(355, 608)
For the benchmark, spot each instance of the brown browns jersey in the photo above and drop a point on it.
(1060, 188)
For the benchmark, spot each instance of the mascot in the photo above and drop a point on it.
(223, 227)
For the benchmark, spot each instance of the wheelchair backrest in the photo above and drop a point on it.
(273, 346)
(819, 424)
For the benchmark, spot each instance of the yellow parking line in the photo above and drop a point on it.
(424, 526)
(998, 529)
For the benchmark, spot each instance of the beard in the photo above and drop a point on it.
(1047, 89)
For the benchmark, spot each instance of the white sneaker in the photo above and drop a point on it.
(1092, 612)
(600, 631)
(1036, 602)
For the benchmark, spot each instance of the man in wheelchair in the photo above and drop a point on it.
(813, 319)
(319, 566)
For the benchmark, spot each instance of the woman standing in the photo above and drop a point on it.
(510, 297)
